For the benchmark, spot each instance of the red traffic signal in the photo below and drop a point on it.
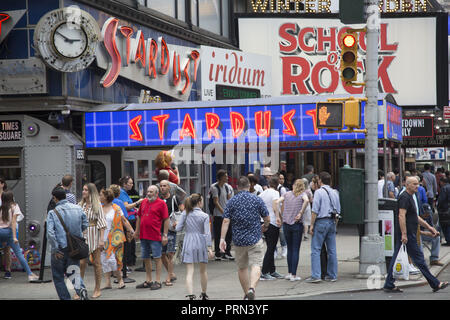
(349, 57)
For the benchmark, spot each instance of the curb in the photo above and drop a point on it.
(416, 283)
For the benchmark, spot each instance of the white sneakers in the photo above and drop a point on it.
(284, 252)
(291, 278)
(413, 270)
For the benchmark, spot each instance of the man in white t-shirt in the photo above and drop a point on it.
(221, 192)
(270, 197)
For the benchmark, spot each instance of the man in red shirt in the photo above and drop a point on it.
(151, 216)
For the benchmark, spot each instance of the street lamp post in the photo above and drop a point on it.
(372, 257)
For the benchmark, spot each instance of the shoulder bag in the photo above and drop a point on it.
(78, 249)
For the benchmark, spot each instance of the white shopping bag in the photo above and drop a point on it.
(401, 265)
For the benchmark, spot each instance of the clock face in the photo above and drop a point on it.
(70, 40)
(66, 39)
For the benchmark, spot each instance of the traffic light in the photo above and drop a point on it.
(351, 11)
(349, 57)
(329, 115)
(352, 114)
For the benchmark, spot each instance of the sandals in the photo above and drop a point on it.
(442, 285)
(167, 283)
(173, 279)
(393, 290)
(191, 296)
(145, 285)
(155, 286)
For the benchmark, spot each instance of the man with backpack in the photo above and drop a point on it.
(61, 262)
(219, 195)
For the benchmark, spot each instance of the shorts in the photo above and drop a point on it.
(151, 248)
(171, 244)
(250, 256)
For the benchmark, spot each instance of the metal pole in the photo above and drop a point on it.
(385, 188)
(372, 245)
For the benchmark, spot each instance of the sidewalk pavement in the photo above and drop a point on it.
(223, 282)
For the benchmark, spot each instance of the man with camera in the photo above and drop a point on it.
(324, 216)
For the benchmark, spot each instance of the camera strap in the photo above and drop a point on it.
(331, 202)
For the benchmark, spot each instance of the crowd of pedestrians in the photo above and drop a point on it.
(245, 226)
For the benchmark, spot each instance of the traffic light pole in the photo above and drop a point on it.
(372, 257)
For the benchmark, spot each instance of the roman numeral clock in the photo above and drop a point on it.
(66, 39)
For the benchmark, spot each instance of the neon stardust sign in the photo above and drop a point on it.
(151, 56)
(3, 17)
(288, 123)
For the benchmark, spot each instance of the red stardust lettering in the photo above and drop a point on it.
(195, 56)
(298, 80)
(152, 55)
(287, 120)
(212, 123)
(186, 75)
(260, 131)
(312, 113)
(160, 120)
(139, 51)
(165, 56)
(3, 17)
(188, 127)
(289, 38)
(109, 35)
(127, 32)
(237, 123)
(176, 69)
(134, 125)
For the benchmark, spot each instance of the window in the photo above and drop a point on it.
(211, 15)
(209, 11)
(10, 167)
(173, 8)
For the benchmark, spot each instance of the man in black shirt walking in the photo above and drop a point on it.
(408, 224)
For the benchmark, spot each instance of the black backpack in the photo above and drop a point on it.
(211, 204)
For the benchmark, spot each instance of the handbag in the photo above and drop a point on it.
(78, 249)
(401, 265)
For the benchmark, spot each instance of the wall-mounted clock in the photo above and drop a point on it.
(66, 39)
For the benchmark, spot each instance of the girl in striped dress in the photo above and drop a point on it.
(94, 233)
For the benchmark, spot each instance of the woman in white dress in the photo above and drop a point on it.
(196, 243)
(307, 214)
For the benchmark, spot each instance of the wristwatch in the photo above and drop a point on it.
(164, 234)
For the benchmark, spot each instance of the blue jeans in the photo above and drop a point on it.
(446, 231)
(293, 234)
(435, 246)
(324, 232)
(7, 236)
(282, 238)
(71, 269)
(417, 257)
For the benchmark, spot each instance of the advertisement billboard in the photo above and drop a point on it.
(236, 71)
(306, 56)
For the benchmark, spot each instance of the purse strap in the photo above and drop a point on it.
(65, 228)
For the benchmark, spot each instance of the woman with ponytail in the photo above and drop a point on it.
(196, 244)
